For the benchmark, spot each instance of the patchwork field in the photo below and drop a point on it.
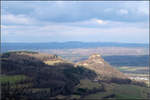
(134, 70)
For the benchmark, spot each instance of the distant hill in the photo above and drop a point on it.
(65, 45)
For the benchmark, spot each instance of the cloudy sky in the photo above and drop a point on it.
(88, 21)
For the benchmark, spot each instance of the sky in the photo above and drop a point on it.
(86, 21)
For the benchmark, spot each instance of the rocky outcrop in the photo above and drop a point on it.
(96, 63)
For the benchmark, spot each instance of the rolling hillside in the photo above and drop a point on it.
(26, 76)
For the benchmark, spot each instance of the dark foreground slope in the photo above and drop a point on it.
(41, 81)
(26, 76)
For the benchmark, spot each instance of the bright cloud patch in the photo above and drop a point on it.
(100, 21)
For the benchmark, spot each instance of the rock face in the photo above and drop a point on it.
(96, 62)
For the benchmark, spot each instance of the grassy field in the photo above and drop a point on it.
(121, 92)
(12, 79)
(98, 95)
(130, 91)
(88, 84)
